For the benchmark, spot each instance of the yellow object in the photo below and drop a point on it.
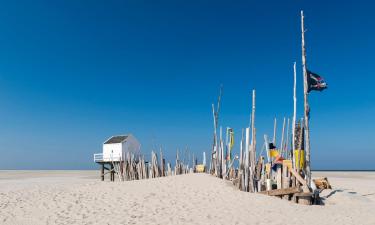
(300, 160)
(200, 168)
(288, 163)
(274, 153)
(268, 168)
(231, 139)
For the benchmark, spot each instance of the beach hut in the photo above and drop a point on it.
(115, 150)
(116, 147)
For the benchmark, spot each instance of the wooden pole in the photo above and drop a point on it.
(306, 104)
(241, 164)
(247, 158)
(102, 172)
(214, 145)
(252, 148)
(287, 139)
(221, 153)
(282, 139)
(274, 131)
(294, 113)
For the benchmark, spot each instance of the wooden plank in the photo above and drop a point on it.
(298, 177)
(280, 192)
(302, 194)
(286, 179)
(279, 177)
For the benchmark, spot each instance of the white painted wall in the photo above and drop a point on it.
(110, 150)
(118, 151)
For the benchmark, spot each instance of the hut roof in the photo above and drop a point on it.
(117, 139)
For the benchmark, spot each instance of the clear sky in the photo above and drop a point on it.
(73, 73)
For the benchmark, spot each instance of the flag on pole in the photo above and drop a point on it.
(315, 82)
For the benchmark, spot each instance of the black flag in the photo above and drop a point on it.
(315, 82)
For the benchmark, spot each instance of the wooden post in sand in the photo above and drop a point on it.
(112, 173)
(286, 179)
(241, 173)
(247, 159)
(102, 172)
(252, 147)
(306, 104)
(294, 114)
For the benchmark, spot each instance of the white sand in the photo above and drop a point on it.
(78, 197)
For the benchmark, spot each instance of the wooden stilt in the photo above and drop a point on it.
(102, 172)
(112, 173)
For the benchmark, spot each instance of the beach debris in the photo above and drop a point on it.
(322, 183)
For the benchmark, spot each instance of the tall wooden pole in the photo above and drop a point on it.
(247, 158)
(274, 132)
(282, 139)
(252, 148)
(215, 154)
(294, 112)
(287, 139)
(306, 104)
(214, 145)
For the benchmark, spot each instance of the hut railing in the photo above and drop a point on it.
(98, 157)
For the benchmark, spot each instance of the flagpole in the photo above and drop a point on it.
(294, 112)
(306, 104)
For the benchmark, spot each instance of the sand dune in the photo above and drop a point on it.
(78, 197)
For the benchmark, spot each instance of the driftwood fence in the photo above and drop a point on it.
(135, 167)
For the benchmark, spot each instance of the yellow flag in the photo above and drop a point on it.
(231, 140)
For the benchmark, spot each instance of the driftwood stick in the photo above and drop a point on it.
(286, 145)
(294, 112)
(274, 131)
(282, 139)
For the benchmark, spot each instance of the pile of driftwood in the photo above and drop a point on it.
(282, 171)
(275, 171)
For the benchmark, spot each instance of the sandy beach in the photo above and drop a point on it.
(78, 197)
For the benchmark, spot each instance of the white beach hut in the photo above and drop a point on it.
(116, 147)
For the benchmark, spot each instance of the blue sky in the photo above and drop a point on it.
(73, 73)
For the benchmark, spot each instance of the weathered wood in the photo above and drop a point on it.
(274, 131)
(280, 192)
(253, 146)
(306, 104)
(286, 179)
(294, 109)
(279, 177)
(304, 200)
(301, 180)
(286, 145)
(282, 138)
(247, 160)
(102, 172)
